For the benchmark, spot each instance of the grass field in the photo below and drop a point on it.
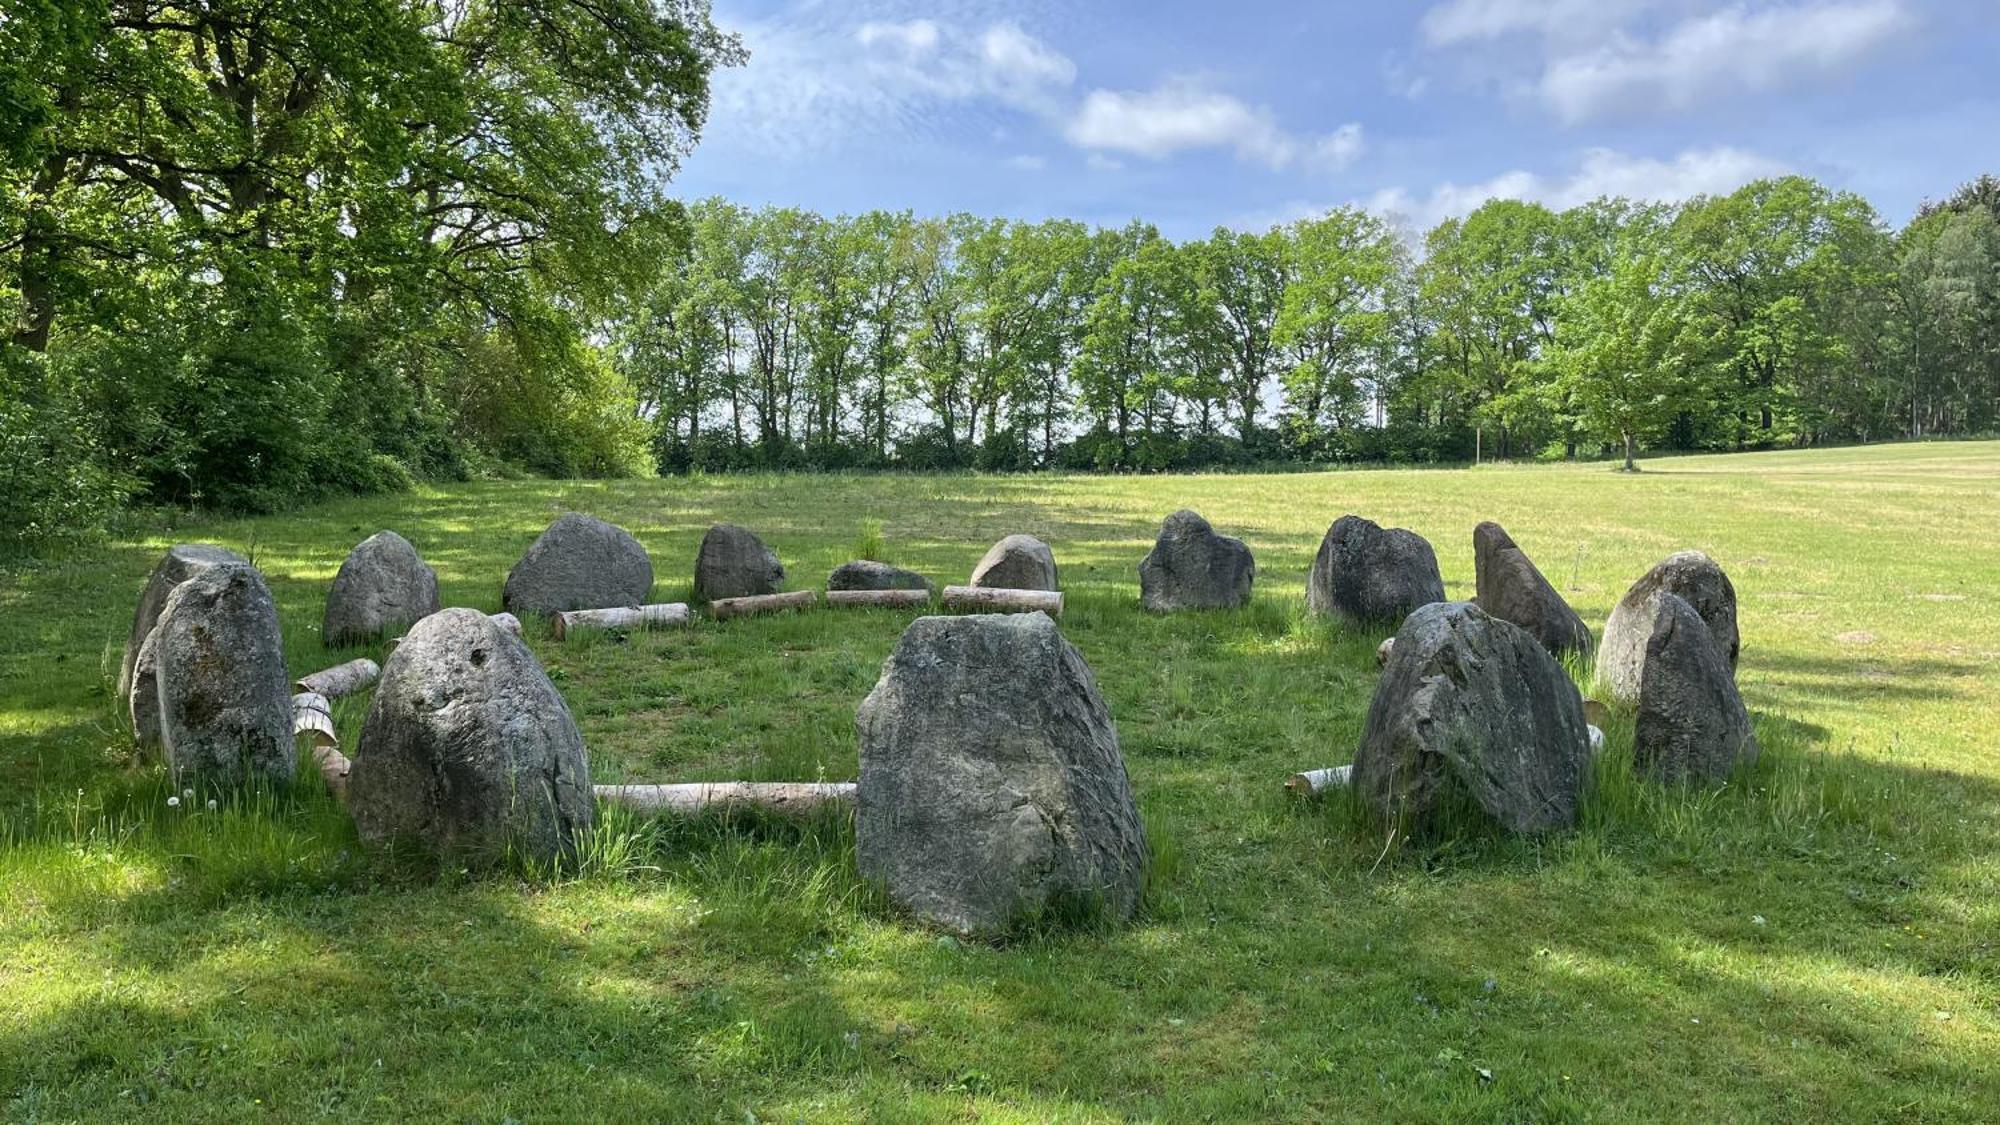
(1819, 942)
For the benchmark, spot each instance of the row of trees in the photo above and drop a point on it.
(1783, 313)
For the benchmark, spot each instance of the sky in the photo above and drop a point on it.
(1249, 113)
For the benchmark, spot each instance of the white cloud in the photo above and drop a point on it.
(1469, 21)
(914, 38)
(1028, 162)
(1182, 115)
(1602, 172)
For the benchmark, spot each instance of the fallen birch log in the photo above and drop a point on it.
(893, 599)
(987, 599)
(334, 767)
(785, 798)
(312, 715)
(1314, 782)
(1383, 650)
(723, 609)
(660, 616)
(341, 679)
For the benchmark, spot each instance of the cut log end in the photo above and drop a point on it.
(1313, 783)
(312, 717)
(723, 609)
(662, 616)
(987, 599)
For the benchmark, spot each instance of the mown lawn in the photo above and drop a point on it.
(1817, 942)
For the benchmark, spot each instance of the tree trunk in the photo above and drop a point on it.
(724, 608)
(619, 617)
(341, 679)
(1630, 447)
(800, 799)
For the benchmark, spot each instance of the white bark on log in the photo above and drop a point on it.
(1314, 782)
(986, 599)
(894, 599)
(341, 679)
(1383, 650)
(334, 767)
(312, 715)
(786, 798)
(659, 616)
(724, 608)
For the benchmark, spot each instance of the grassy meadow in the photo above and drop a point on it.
(1817, 941)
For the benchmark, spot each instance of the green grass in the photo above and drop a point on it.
(1815, 941)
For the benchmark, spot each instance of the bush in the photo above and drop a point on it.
(55, 482)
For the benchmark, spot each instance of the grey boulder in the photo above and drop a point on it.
(1472, 707)
(1018, 562)
(135, 683)
(382, 585)
(1365, 573)
(992, 790)
(1511, 588)
(1191, 567)
(579, 563)
(1692, 725)
(225, 702)
(866, 574)
(1689, 575)
(468, 749)
(734, 563)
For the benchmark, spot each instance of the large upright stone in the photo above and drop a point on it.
(1365, 573)
(225, 702)
(468, 749)
(1191, 567)
(1694, 578)
(992, 790)
(1692, 725)
(734, 563)
(1470, 706)
(1018, 562)
(136, 685)
(579, 563)
(866, 574)
(1511, 588)
(383, 585)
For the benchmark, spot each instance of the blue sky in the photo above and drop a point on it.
(1252, 112)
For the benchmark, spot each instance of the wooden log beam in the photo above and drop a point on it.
(785, 798)
(986, 599)
(312, 717)
(1312, 783)
(722, 609)
(662, 616)
(334, 767)
(891, 599)
(341, 679)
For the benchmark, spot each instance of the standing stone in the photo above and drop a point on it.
(1018, 562)
(865, 574)
(383, 585)
(225, 702)
(1695, 579)
(135, 685)
(1367, 573)
(992, 789)
(1692, 725)
(1191, 567)
(734, 563)
(1512, 589)
(579, 563)
(1470, 706)
(468, 748)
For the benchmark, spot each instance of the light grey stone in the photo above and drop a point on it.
(734, 563)
(866, 574)
(1191, 567)
(1694, 578)
(1692, 725)
(580, 562)
(1018, 562)
(1511, 588)
(181, 562)
(225, 702)
(382, 585)
(1367, 574)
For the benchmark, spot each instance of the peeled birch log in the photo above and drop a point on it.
(312, 715)
(1383, 650)
(659, 616)
(333, 766)
(988, 599)
(785, 798)
(724, 608)
(1314, 782)
(341, 679)
(894, 599)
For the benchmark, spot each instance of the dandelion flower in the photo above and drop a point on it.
(211, 804)
(173, 802)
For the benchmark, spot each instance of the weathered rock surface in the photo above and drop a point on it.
(1367, 573)
(865, 574)
(225, 702)
(1472, 706)
(382, 585)
(468, 749)
(1694, 578)
(579, 563)
(1511, 588)
(992, 789)
(1191, 567)
(1018, 562)
(181, 562)
(1692, 725)
(734, 563)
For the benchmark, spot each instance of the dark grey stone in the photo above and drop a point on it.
(734, 563)
(382, 585)
(1511, 588)
(1368, 574)
(866, 574)
(1191, 567)
(992, 789)
(579, 563)
(1694, 578)
(1018, 562)
(181, 562)
(469, 750)
(1472, 706)
(1692, 725)
(225, 702)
